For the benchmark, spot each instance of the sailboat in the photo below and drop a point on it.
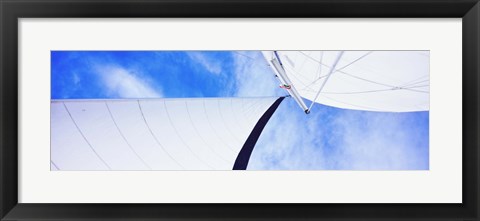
(221, 133)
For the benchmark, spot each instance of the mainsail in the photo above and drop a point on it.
(220, 133)
(387, 81)
(156, 134)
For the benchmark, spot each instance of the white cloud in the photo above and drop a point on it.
(383, 142)
(287, 143)
(123, 83)
(76, 80)
(358, 141)
(209, 64)
(253, 76)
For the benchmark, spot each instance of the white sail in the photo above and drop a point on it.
(389, 81)
(152, 134)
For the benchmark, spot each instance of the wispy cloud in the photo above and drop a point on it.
(253, 76)
(211, 65)
(287, 143)
(122, 83)
(341, 140)
(76, 80)
(380, 141)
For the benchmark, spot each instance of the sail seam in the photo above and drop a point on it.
(85, 138)
(124, 138)
(155, 137)
(199, 135)
(224, 123)
(235, 114)
(181, 138)
(215, 131)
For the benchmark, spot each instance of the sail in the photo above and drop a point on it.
(387, 81)
(153, 134)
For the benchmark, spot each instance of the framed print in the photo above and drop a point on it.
(239, 110)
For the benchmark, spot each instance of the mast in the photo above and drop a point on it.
(384, 81)
(283, 78)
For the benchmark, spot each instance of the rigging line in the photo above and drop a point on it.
(313, 82)
(54, 165)
(353, 105)
(303, 63)
(198, 133)
(414, 83)
(338, 70)
(343, 72)
(391, 89)
(181, 138)
(319, 72)
(215, 131)
(332, 70)
(387, 89)
(85, 138)
(308, 56)
(374, 82)
(155, 137)
(296, 76)
(320, 63)
(416, 79)
(287, 68)
(361, 57)
(124, 138)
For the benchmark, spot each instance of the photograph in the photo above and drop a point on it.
(258, 110)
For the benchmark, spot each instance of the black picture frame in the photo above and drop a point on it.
(11, 10)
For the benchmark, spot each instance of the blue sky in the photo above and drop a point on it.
(327, 139)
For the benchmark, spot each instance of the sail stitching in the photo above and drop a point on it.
(235, 114)
(226, 126)
(256, 109)
(181, 138)
(125, 139)
(155, 137)
(215, 131)
(85, 138)
(198, 133)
